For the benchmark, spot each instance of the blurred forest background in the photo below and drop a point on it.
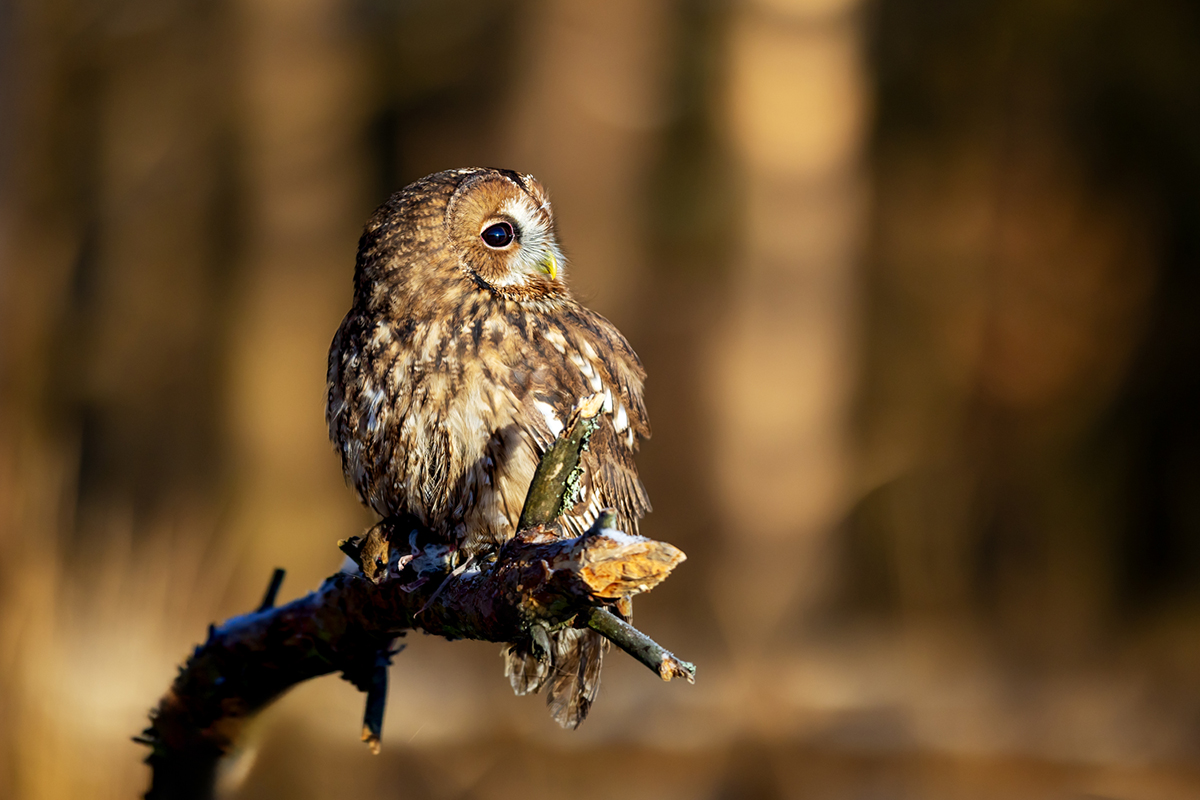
(917, 286)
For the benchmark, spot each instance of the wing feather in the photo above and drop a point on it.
(582, 353)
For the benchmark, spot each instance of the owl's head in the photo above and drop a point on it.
(501, 228)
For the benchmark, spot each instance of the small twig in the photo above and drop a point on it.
(268, 601)
(637, 644)
(547, 492)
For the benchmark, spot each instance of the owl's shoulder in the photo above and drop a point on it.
(600, 344)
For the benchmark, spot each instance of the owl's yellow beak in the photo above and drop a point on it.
(550, 265)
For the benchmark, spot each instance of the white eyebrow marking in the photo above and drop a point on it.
(529, 223)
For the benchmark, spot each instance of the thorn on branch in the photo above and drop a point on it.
(268, 601)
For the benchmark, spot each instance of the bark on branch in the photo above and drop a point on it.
(406, 581)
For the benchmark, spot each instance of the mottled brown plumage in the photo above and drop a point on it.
(461, 359)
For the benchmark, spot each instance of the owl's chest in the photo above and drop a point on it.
(439, 418)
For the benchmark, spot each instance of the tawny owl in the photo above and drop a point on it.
(460, 361)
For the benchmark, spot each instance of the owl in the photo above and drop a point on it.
(459, 362)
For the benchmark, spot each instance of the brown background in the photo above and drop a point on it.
(916, 284)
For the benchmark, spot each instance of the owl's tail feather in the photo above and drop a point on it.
(571, 675)
(524, 670)
(575, 679)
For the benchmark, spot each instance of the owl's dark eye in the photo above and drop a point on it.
(498, 235)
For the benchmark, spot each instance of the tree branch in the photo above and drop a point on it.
(406, 582)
